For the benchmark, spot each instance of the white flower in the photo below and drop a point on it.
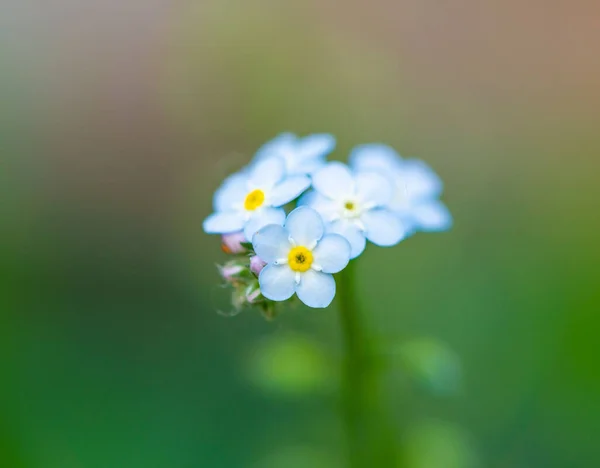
(416, 187)
(300, 259)
(251, 199)
(301, 155)
(353, 204)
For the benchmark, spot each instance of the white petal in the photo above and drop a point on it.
(271, 243)
(432, 216)
(261, 218)
(232, 192)
(307, 166)
(375, 156)
(315, 146)
(327, 208)
(351, 233)
(288, 189)
(277, 282)
(278, 146)
(223, 223)
(302, 155)
(400, 202)
(334, 180)
(374, 188)
(316, 289)
(421, 181)
(305, 226)
(383, 227)
(408, 222)
(310, 198)
(264, 174)
(332, 253)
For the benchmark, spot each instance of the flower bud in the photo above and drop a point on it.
(252, 295)
(232, 243)
(256, 264)
(229, 271)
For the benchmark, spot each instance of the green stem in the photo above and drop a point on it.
(370, 436)
(352, 370)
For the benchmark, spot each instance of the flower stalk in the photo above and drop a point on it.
(370, 434)
(378, 197)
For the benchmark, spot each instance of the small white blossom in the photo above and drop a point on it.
(416, 187)
(354, 204)
(300, 259)
(301, 155)
(253, 198)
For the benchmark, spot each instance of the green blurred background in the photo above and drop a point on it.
(118, 119)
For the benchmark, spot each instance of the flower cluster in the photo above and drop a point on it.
(379, 197)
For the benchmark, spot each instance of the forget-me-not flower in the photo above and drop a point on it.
(252, 198)
(300, 259)
(416, 187)
(301, 155)
(354, 204)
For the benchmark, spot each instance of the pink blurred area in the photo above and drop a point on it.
(505, 49)
(129, 96)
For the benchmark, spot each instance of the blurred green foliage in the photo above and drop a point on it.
(293, 365)
(299, 457)
(430, 364)
(433, 443)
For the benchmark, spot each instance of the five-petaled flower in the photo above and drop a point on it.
(301, 155)
(416, 187)
(354, 204)
(380, 197)
(300, 259)
(253, 198)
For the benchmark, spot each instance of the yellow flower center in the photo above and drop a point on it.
(254, 200)
(351, 209)
(300, 259)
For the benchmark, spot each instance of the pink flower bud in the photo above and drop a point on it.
(252, 296)
(232, 243)
(256, 265)
(229, 272)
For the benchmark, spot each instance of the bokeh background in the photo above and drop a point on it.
(118, 119)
